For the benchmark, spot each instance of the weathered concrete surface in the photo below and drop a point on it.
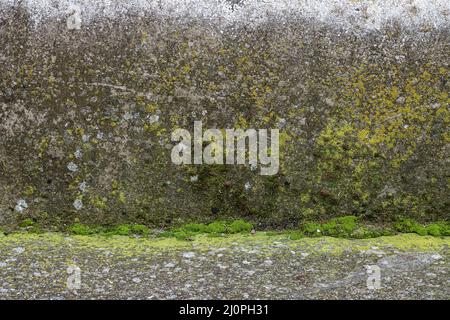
(237, 267)
(359, 90)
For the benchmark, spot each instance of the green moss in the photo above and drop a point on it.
(420, 230)
(217, 227)
(26, 223)
(179, 234)
(29, 191)
(214, 229)
(196, 227)
(293, 235)
(343, 227)
(100, 203)
(240, 225)
(439, 229)
(338, 227)
(123, 230)
(312, 229)
(122, 198)
(81, 229)
(349, 227)
(140, 229)
(435, 229)
(366, 232)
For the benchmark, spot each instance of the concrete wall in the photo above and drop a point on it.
(358, 89)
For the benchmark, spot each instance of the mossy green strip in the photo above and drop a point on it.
(263, 241)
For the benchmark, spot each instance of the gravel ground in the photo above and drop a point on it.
(57, 266)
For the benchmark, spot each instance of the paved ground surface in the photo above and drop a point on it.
(258, 266)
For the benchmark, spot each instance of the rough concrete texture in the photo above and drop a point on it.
(358, 89)
(237, 267)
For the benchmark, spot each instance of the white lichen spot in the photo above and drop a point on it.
(329, 102)
(154, 118)
(188, 255)
(136, 280)
(21, 205)
(100, 135)
(78, 204)
(268, 262)
(247, 186)
(82, 186)
(85, 138)
(436, 105)
(18, 250)
(127, 116)
(194, 178)
(78, 154)
(74, 20)
(72, 167)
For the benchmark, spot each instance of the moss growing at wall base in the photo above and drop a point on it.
(123, 230)
(349, 227)
(433, 229)
(217, 228)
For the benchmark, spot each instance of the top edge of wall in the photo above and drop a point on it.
(360, 15)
